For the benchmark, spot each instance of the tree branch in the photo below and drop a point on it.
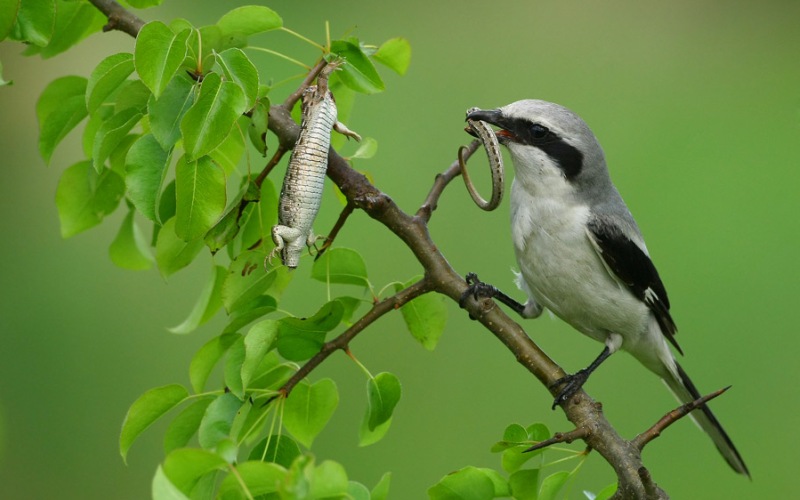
(560, 437)
(634, 480)
(342, 341)
(119, 18)
(580, 409)
(442, 180)
(670, 418)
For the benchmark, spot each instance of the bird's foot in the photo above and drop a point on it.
(476, 289)
(570, 385)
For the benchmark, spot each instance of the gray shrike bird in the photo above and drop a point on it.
(581, 254)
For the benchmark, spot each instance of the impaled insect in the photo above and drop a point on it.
(301, 193)
(484, 132)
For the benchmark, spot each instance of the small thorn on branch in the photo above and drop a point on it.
(670, 418)
(560, 437)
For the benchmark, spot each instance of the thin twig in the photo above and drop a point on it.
(346, 211)
(295, 96)
(442, 180)
(560, 437)
(670, 418)
(271, 164)
(389, 304)
(119, 18)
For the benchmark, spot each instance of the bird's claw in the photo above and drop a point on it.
(571, 384)
(476, 289)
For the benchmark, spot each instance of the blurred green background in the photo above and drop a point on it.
(697, 104)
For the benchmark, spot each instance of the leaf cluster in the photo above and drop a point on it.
(175, 128)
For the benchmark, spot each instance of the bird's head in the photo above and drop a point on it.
(546, 139)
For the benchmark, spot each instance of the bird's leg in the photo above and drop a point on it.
(478, 289)
(572, 383)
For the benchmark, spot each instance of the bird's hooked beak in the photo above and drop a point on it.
(492, 117)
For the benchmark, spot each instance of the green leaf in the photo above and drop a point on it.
(358, 73)
(172, 252)
(250, 312)
(207, 357)
(58, 91)
(260, 339)
(357, 491)
(606, 492)
(425, 317)
(60, 108)
(225, 230)
(145, 168)
(111, 133)
(35, 22)
(216, 423)
(158, 55)
(74, 22)
(185, 466)
(200, 192)
(185, 425)
(383, 393)
(147, 409)
(228, 154)
(260, 478)
(8, 16)
(381, 490)
(106, 78)
(328, 480)
(501, 486)
(341, 265)
(163, 489)
(518, 439)
(367, 437)
(552, 484)
(247, 280)
(469, 483)
(143, 4)
(167, 111)
(249, 20)
(308, 409)
(207, 123)
(259, 120)
(270, 374)
(166, 206)
(132, 94)
(239, 69)
(233, 368)
(366, 150)
(301, 338)
(92, 126)
(395, 54)
(129, 249)
(209, 302)
(84, 197)
(281, 450)
(524, 484)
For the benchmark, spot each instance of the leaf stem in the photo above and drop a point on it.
(359, 363)
(279, 54)
(301, 37)
(241, 481)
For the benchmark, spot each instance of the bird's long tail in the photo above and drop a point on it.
(684, 389)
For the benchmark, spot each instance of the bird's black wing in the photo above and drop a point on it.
(633, 267)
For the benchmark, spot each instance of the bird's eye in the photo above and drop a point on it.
(539, 131)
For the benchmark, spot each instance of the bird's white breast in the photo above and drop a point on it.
(562, 270)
